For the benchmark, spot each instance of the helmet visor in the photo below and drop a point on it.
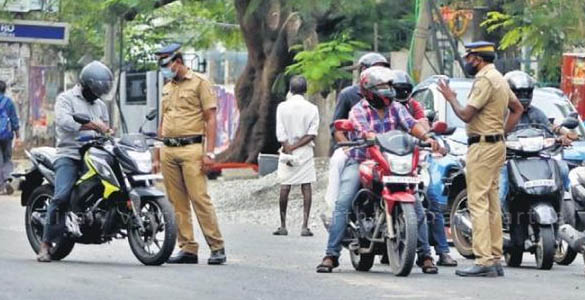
(100, 88)
(403, 92)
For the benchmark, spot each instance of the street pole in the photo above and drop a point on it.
(376, 37)
(421, 35)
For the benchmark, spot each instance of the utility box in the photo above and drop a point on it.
(139, 94)
(573, 80)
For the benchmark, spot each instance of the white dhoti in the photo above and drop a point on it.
(298, 167)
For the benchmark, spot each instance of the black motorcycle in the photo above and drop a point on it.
(534, 198)
(572, 231)
(113, 199)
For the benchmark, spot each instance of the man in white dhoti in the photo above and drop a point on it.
(297, 123)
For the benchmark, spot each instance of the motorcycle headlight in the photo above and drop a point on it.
(532, 144)
(400, 165)
(104, 170)
(143, 160)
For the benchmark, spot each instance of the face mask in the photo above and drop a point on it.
(470, 69)
(168, 73)
(88, 95)
(382, 98)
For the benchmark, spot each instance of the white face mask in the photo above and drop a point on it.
(167, 73)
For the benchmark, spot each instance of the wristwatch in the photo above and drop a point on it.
(210, 155)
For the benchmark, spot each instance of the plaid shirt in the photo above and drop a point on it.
(365, 119)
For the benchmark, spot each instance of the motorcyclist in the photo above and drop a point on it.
(376, 113)
(523, 85)
(403, 86)
(347, 98)
(95, 81)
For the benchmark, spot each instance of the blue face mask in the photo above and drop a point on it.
(167, 73)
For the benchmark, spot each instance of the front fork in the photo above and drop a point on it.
(390, 201)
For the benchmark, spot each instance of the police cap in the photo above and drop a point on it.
(166, 54)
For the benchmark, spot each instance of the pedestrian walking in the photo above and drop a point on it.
(188, 128)
(485, 115)
(297, 124)
(9, 126)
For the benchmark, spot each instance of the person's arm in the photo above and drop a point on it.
(14, 122)
(281, 135)
(516, 110)
(418, 110)
(414, 128)
(208, 105)
(210, 129)
(342, 108)
(468, 112)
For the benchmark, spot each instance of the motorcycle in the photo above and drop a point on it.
(573, 213)
(114, 198)
(534, 198)
(383, 219)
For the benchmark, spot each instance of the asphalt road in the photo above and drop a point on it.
(260, 266)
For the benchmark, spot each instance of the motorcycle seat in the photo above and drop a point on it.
(45, 155)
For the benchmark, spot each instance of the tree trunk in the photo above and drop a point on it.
(268, 32)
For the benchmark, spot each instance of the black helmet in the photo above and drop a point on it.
(372, 59)
(402, 85)
(522, 85)
(97, 79)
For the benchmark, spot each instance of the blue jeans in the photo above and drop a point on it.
(504, 186)
(5, 161)
(438, 228)
(66, 170)
(349, 186)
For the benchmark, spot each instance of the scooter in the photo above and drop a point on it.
(534, 199)
(383, 216)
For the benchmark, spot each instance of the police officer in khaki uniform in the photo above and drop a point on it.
(188, 129)
(485, 115)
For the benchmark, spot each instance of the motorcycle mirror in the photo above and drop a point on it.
(343, 125)
(431, 115)
(151, 115)
(439, 127)
(570, 123)
(450, 130)
(81, 118)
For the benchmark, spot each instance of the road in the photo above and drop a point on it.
(260, 266)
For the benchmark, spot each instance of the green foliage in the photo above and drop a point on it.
(546, 27)
(321, 66)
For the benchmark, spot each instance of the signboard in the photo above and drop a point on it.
(29, 5)
(34, 32)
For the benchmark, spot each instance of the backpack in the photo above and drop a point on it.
(5, 124)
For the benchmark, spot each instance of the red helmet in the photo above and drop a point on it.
(371, 79)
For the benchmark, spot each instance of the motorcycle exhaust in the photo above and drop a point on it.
(463, 224)
(574, 238)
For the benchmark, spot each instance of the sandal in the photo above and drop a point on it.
(428, 266)
(329, 263)
(306, 232)
(280, 231)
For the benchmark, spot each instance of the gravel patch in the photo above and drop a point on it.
(257, 200)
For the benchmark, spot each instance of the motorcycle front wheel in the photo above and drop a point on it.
(34, 220)
(154, 243)
(402, 247)
(545, 249)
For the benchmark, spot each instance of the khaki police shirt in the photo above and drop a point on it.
(489, 95)
(183, 104)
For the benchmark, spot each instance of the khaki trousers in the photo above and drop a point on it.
(186, 185)
(484, 161)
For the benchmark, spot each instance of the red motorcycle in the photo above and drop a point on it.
(383, 216)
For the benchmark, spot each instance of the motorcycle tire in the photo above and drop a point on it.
(361, 262)
(135, 239)
(461, 243)
(565, 255)
(402, 251)
(61, 249)
(545, 249)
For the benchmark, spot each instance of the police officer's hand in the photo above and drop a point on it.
(208, 162)
(447, 92)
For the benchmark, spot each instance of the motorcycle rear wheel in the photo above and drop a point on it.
(565, 255)
(37, 204)
(158, 218)
(402, 248)
(361, 262)
(545, 249)
(462, 243)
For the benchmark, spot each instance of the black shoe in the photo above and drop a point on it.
(183, 258)
(499, 269)
(478, 271)
(446, 260)
(384, 260)
(217, 257)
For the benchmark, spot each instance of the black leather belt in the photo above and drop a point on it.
(486, 138)
(179, 142)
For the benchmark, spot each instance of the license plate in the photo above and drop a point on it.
(147, 177)
(538, 183)
(402, 179)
